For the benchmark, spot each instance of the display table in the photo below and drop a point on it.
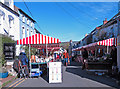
(98, 66)
(38, 68)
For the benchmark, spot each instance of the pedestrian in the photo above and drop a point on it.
(85, 56)
(66, 57)
(24, 62)
(113, 55)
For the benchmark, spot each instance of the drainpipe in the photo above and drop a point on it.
(118, 39)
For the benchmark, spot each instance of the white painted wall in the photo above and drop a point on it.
(11, 3)
(14, 30)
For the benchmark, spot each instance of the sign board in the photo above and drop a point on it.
(55, 72)
(9, 51)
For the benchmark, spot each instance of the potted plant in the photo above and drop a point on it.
(3, 72)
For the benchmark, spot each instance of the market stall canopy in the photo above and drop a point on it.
(38, 39)
(86, 46)
(51, 48)
(108, 42)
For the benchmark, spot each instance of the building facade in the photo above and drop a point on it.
(15, 23)
(108, 29)
(26, 24)
(9, 21)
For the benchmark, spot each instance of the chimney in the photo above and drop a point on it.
(105, 21)
(98, 28)
(86, 35)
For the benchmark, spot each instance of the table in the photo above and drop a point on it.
(98, 66)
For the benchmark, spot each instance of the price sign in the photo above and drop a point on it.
(55, 73)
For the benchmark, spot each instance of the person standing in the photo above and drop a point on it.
(113, 55)
(24, 61)
(85, 56)
(66, 57)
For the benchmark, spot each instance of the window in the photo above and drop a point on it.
(31, 32)
(27, 32)
(6, 2)
(11, 21)
(23, 32)
(31, 23)
(27, 21)
(23, 18)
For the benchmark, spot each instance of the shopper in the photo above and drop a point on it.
(24, 62)
(85, 56)
(66, 57)
(113, 55)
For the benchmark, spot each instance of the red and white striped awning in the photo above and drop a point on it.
(38, 39)
(108, 42)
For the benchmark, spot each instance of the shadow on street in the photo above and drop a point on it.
(88, 75)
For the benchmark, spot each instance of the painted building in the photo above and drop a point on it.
(26, 24)
(107, 30)
(9, 20)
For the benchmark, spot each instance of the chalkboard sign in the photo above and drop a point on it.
(9, 51)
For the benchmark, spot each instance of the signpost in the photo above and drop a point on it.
(9, 51)
(55, 72)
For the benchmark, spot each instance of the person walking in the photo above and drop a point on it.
(24, 62)
(113, 55)
(85, 56)
(66, 57)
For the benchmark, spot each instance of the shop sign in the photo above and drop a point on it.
(9, 51)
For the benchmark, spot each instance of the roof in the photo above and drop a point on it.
(26, 15)
(18, 9)
(37, 31)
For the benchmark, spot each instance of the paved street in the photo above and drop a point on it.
(73, 76)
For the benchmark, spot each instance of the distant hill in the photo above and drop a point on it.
(65, 45)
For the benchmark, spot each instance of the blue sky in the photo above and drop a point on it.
(69, 20)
